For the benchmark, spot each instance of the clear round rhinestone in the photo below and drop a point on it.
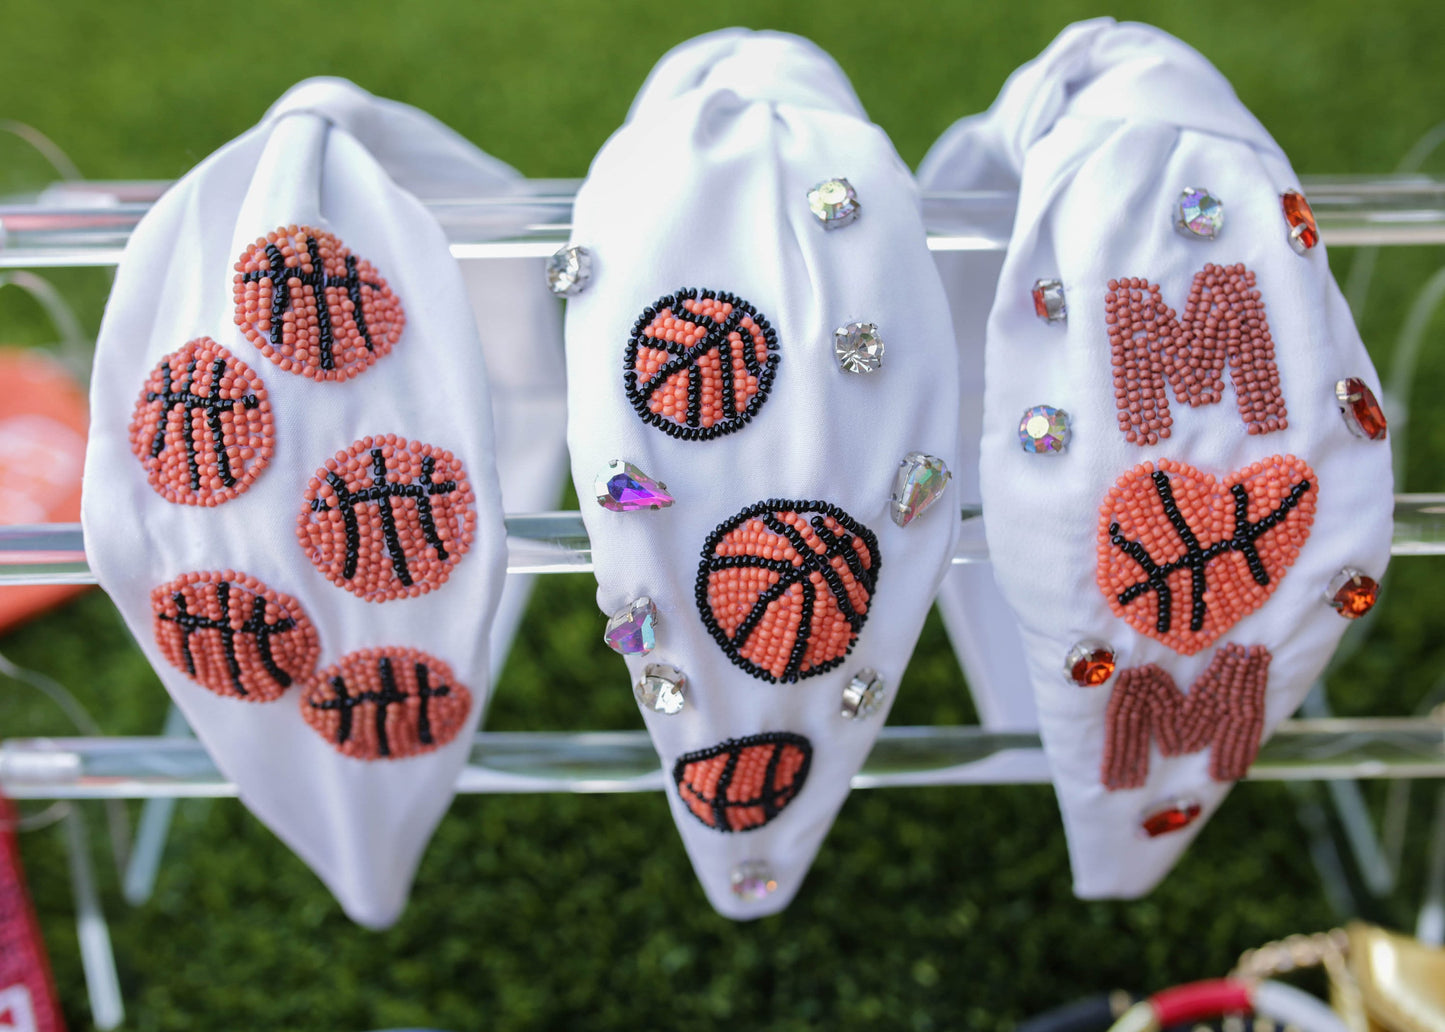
(753, 880)
(622, 487)
(864, 694)
(919, 483)
(661, 689)
(632, 630)
(569, 270)
(858, 347)
(1049, 300)
(834, 203)
(1044, 430)
(1201, 214)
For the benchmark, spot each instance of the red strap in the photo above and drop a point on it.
(27, 992)
(1198, 1001)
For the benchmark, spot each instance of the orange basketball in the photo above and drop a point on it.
(234, 635)
(784, 587)
(312, 306)
(700, 363)
(202, 426)
(386, 704)
(743, 783)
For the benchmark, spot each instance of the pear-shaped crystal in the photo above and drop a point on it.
(622, 487)
(919, 482)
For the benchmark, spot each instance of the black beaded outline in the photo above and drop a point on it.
(734, 747)
(717, 336)
(1196, 559)
(868, 578)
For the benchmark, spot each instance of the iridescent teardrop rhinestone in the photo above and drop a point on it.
(919, 483)
(1049, 300)
(662, 689)
(1044, 430)
(1303, 232)
(1174, 815)
(1201, 214)
(753, 880)
(834, 203)
(1352, 593)
(1361, 411)
(632, 630)
(858, 347)
(864, 694)
(622, 487)
(569, 270)
(1089, 663)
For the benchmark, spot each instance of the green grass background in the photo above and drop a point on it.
(927, 909)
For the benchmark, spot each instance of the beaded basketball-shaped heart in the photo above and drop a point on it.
(388, 518)
(743, 783)
(202, 426)
(784, 587)
(312, 306)
(232, 634)
(386, 704)
(1183, 557)
(700, 363)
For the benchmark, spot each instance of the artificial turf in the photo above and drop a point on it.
(935, 908)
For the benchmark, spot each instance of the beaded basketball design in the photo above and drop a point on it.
(312, 306)
(202, 426)
(700, 363)
(784, 587)
(386, 704)
(1183, 557)
(388, 518)
(743, 783)
(232, 634)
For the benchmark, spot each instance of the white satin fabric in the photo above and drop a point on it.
(706, 186)
(333, 157)
(1098, 137)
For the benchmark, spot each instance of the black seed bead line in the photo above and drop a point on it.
(716, 339)
(773, 798)
(1195, 558)
(213, 406)
(835, 545)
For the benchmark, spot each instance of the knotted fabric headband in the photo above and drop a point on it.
(762, 421)
(290, 489)
(1185, 478)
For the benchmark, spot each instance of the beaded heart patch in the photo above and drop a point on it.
(1183, 557)
(700, 363)
(743, 783)
(784, 587)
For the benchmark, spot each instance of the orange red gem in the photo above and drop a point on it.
(1361, 412)
(1353, 594)
(1303, 232)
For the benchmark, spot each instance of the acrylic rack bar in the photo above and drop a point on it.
(556, 542)
(624, 761)
(88, 223)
